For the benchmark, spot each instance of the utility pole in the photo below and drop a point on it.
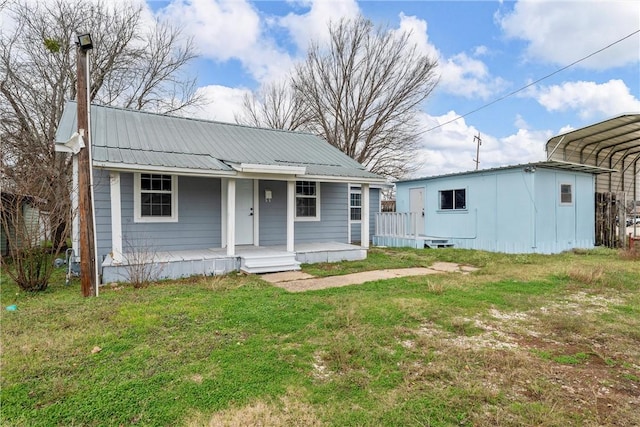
(85, 205)
(478, 142)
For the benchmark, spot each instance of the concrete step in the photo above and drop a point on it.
(437, 243)
(269, 263)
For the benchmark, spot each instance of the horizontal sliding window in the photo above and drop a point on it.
(453, 199)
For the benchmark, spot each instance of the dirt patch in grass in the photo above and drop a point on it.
(525, 357)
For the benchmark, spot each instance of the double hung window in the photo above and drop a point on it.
(155, 198)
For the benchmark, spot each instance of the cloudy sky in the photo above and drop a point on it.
(486, 50)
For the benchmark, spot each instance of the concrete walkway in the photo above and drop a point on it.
(297, 281)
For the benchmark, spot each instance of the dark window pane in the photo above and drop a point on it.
(356, 214)
(155, 195)
(356, 199)
(446, 199)
(305, 188)
(565, 193)
(461, 199)
(145, 181)
(305, 207)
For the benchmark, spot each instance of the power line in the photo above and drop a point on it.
(531, 84)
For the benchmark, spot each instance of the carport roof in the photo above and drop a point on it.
(613, 143)
(599, 142)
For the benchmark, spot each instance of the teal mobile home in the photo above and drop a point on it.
(545, 207)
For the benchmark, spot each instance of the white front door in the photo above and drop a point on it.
(244, 212)
(416, 206)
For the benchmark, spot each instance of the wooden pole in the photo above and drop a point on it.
(87, 243)
(478, 142)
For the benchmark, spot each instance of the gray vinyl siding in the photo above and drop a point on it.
(332, 227)
(374, 207)
(273, 215)
(198, 225)
(102, 205)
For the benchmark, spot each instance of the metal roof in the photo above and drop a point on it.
(128, 138)
(568, 166)
(613, 143)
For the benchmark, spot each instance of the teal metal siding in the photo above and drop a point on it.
(510, 210)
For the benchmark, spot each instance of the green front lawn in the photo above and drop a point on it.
(526, 340)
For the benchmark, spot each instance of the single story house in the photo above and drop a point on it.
(192, 196)
(544, 207)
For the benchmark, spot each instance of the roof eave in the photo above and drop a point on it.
(123, 167)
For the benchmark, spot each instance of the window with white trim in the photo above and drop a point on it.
(453, 199)
(355, 204)
(566, 194)
(155, 197)
(307, 201)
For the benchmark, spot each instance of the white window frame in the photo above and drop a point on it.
(137, 192)
(570, 203)
(316, 197)
(355, 190)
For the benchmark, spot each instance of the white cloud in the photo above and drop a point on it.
(313, 25)
(418, 34)
(223, 29)
(452, 147)
(229, 29)
(468, 77)
(460, 74)
(222, 103)
(561, 32)
(588, 99)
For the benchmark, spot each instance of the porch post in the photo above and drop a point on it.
(223, 212)
(75, 222)
(291, 205)
(364, 223)
(231, 217)
(256, 212)
(116, 217)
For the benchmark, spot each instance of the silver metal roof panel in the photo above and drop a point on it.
(130, 137)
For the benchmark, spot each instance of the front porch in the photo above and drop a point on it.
(405, 230)
(215, 261)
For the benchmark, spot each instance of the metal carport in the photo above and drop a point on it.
(612, 144)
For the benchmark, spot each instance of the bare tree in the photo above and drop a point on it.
(135, 65)
(276, 106)
(362, 94)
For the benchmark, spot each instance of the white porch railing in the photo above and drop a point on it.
(397, 224)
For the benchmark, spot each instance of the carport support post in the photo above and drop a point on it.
(621, 202)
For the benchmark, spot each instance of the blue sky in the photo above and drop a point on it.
(485, 50)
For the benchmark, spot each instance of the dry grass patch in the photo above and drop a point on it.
(540, 367)
(586, 274)
(289, 410)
